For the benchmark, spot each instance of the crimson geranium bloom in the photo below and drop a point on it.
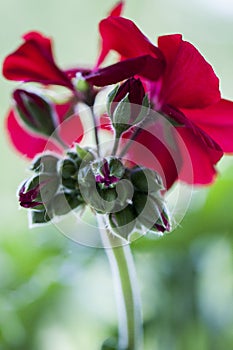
(187, 92)
(33, 61)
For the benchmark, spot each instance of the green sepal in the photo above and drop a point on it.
(123, 222)
(144, 110)
(121, 115)
(67, 168)
(148, 208)
(39, 217)
(63, 203)
(84, 154)
(110, 98)
(70, 183)
(46, 163)
(146, 180)
(116, 167)
(125, 191)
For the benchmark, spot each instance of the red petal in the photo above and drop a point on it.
(189, 81)
(33, 62)
(117, 9)
(71, 130)
(123, 36)
(216, 121)
(150, 149)
(24, 142)
(203, 159)
(145, 66)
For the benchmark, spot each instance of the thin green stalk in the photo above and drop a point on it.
(95, 130)
(126, 289)
(116, 144)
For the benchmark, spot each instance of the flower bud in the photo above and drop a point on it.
(36, 112)
(47, 163)
(146, 180)
(63, 203)
(68, 168)
(39, 217)
(151, 211)
(123, 222)
(38, 191)
(108, 172)
(127, 104)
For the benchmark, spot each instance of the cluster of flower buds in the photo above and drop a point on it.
(130, 198)
(54, 190)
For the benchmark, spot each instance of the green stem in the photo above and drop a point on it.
(116, 143)
(95, 130)
(126, 289)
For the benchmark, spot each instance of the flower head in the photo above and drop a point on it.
(186, 94)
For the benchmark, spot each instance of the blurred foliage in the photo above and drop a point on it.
(55, 294)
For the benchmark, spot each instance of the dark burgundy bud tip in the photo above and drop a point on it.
(108, 172)
(35, 111)
(29, 198)
(37, 191)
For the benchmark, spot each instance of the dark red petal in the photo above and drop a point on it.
(152, 150)
(33, 62)
(24, 142)
(203, 159)
(189, 81)
(117, 9)
(123, 36)
(216, 121)
(145, 66)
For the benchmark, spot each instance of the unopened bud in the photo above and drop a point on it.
(146, 180)
(123, 222)
(36, 112)
(47, 163)
(127, 104)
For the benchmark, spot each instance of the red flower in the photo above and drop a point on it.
(33, 61)
(187, 93)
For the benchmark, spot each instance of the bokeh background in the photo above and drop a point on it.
(56, 294)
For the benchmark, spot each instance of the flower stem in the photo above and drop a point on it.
(116, 144)
(126, 289)
(95, 130)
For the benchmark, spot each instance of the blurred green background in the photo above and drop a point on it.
(56, 294)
